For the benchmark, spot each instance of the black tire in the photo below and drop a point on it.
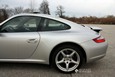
(57, 52)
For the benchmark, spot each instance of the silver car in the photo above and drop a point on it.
(38, 38)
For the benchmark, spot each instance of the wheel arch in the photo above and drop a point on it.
(67, 43)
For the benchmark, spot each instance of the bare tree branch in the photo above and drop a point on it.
(60, 11)
(44, 7)
(18, 10)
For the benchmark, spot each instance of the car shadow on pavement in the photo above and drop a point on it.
(38, 67)
(28, 70)
(41, 70)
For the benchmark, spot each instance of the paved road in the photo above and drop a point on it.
(102, 68)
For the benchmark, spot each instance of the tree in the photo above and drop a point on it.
(60, 11)
(44, 7)
(5, 6)
(9, 12)
(32, 6)
(3, 15)
(27, 10)
(18, 10)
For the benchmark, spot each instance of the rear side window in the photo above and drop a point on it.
(52, 25)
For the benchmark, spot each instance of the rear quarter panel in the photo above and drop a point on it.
(48, 40)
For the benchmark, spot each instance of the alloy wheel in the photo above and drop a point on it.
(67, 60)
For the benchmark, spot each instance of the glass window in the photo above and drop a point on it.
(21, 24)
(52, 25)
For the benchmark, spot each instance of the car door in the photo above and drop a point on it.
(19, 37)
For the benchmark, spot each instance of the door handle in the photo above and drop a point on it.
(32, 40)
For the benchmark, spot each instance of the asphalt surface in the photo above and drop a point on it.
(102, 68)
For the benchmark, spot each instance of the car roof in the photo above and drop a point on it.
(40, 15)
(70, 23)
(47, 16)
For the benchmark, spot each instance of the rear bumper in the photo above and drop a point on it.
(94, 51)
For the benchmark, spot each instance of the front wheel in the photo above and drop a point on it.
(67, 58)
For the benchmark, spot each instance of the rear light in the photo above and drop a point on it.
(99, 39)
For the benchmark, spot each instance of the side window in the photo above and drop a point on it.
(52, 25)
(21, 24)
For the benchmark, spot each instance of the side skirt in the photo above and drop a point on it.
(23, 61)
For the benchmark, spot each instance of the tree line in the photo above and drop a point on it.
(110, 19)
(6, 12)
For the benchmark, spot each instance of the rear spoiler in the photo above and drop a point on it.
(97, 29)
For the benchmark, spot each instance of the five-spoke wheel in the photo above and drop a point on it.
(67, 58)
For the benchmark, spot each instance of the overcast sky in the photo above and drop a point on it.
(76, 8)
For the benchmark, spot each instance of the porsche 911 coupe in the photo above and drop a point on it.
(39, 38)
